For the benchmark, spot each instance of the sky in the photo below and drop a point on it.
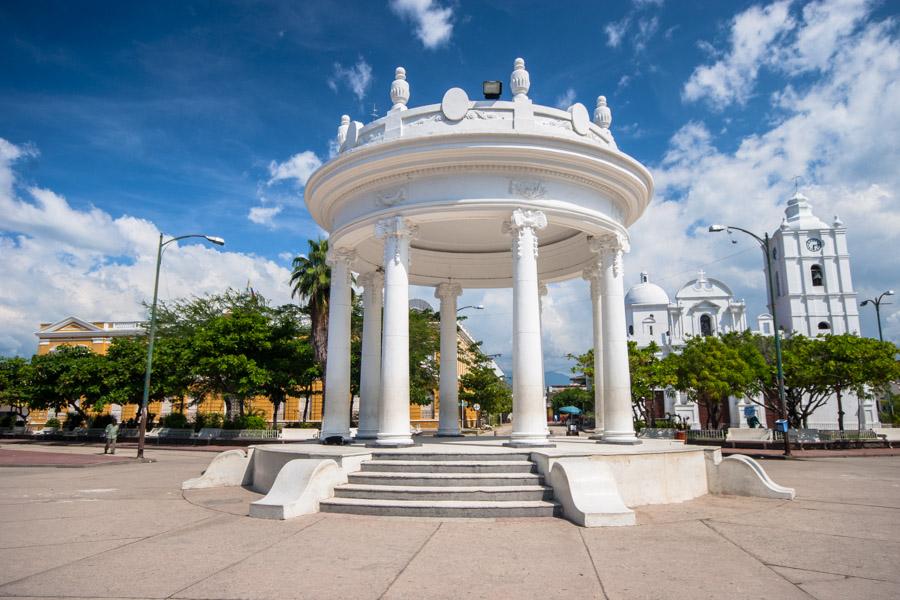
(121, 120)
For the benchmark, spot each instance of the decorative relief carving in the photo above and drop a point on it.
(425, 119)
(567, 125)
(371, 136)
(529, 189)
(483, 115)
(391, 196)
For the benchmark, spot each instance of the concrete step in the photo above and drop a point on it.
(441, 456)
(492, 493)
(449, 466)
(443, 479)
(439, 508)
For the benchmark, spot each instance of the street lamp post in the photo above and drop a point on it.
(765, 245)
(145, 400)
(877, 303)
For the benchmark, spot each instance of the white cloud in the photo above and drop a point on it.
(637, 22)
(566, 99)
(264, 215)
(298, 168)
(731, 79)
(59, 260)
(615, 32)
(434, 23)
(357, 78)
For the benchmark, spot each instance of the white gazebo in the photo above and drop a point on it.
(474, 194)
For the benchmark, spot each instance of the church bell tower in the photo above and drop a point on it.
(813, 287)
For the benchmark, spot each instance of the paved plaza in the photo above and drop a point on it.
(126, 531)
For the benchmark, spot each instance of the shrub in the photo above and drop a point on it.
(302, 425)
(247, 422)
(175, 420)
(52, 422)
(214, 420)
(8, 420)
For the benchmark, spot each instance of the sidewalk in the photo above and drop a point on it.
(798, 453)
(131, 524)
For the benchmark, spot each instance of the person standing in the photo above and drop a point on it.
(112, 431)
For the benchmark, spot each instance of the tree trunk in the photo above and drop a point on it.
(306, 405)
(276, 404)
(840, 404)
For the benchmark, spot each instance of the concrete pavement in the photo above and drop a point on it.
(126, 531)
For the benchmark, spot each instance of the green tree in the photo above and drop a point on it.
(311, 285)
(70, 377)
(124, 367)
(577, 397)
(14, 385)
(710, 371)
(481, 385)
(424, 346)
(649, 373)
(851, 363)
(287, 356)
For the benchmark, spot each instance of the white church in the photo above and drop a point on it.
(813, 295)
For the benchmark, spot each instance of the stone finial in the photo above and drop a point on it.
(399, 90)
(837, 222)
(342, 130)
(519, 81)
(602, 114)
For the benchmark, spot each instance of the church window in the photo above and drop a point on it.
(651, 330)
(777, 284)
(706, 325)
(815, 272)
(824, 326)
(631, 330)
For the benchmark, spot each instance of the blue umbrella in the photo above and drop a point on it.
(570, 410)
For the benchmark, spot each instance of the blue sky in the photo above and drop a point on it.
(120, 119)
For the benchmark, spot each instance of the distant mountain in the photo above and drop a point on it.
(555, 378)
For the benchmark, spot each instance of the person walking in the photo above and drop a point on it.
(112, 431)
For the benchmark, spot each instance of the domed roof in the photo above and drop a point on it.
(646, 293)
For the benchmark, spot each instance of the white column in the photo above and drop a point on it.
(529, 413)
(336, 420)
(448, 424)
(594, 275)
(617, 415)
(370, 375)
(543, 290)
(393, 417)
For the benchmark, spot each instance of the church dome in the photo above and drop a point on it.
(646, 293)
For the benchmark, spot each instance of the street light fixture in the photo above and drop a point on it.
(145, 400)
(877, 303)
(475, 306)
(765, 244)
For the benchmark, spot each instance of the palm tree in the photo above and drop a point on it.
(311, 283)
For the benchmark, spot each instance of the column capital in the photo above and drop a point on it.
(543, 290)
(370, 280)
(395, 227)
(523, 218)
(340, 255)
(447, 290)
(521, 224)
(609, 248)
(609, 242)
(593, 273)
